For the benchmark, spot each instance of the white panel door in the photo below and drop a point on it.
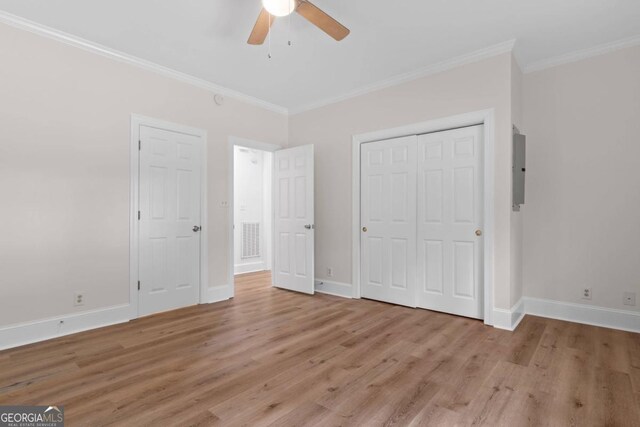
(450, 221)
(169, 220)
(294, 227)
(388, 220)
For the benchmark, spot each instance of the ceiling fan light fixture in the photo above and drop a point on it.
(279, 7)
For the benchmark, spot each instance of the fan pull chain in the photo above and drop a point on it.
(289, 35)
(269, 35)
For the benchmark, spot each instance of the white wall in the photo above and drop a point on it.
(267, 217)
(481, 85)
(252, 203)
(64, 171)
(582, 212)
(517, 218)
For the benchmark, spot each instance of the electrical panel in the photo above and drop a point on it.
(519, 169)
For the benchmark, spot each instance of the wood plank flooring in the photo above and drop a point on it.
(272, 357)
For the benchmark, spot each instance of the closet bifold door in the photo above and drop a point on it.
(388, 220)
(449, 222)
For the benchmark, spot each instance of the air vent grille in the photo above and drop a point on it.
(250, 240)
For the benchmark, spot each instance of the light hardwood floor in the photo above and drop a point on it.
(272, 357)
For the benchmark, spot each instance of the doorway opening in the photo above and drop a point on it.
(252, 208)
(271, 214)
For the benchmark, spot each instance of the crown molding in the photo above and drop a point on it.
(478, 55)
(51, 33)
(578, 55)
(439, 67)
(517, 55)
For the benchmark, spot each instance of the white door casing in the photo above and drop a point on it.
(170, 208)
(450, 196)
(294, 219)
(388, 220)
(229, 291)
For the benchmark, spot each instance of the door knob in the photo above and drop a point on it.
(308, 226)
(478, 232)
(364, 229)
(196, 228)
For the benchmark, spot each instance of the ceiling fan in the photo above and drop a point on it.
(278, 8)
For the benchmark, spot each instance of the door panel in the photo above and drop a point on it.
(449, 270)
(294, 221)
(169, 209)
(388, 213)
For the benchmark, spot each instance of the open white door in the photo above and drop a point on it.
(294, 228)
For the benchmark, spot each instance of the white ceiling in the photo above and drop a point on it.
(207, 38)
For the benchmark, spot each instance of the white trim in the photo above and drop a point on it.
(355, 218)
(89, 46)
(137, 121)
(578, 55)
(218, 293)
(253, 267)
(485, 117)
(439, 67)
(624, 320)
(509, 319)
(333, 288)
(478, 55)
(256, 145)
(29, 332)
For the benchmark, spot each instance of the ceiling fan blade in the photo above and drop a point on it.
(321, 20)
(261, 28)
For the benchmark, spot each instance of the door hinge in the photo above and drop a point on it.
(138, 284)
(139, 145)
(138, 215)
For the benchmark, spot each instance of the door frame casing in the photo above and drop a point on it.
(137, 121)
(256, 145)
(482, 117)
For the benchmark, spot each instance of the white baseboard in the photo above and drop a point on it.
(30, 332)
(40, 330)
(509, 319)
(250, 268)
(624, 320)
(219, 293)
(334, 288)
(53, 327)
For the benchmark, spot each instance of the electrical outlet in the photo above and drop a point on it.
(629, 298)
(224, 204)
(586, 293)
(329, 272)
(78, 299)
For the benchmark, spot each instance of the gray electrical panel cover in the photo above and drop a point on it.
(519, 169)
